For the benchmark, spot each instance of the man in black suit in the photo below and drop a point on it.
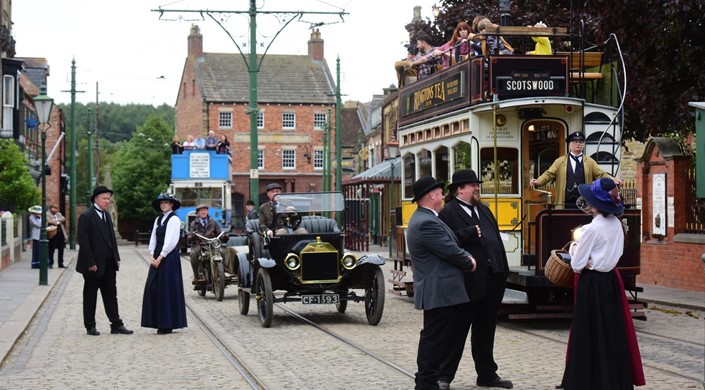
(99, 261)
(478, 233)
(438, 266)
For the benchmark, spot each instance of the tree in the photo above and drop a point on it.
(141, 169)
(17, 189)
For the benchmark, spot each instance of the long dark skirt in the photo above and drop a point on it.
(163, 304)
(598, 354)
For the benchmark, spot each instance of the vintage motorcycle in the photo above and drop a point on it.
(215, 272)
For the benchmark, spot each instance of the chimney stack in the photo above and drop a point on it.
(315, 46)
(195, 42)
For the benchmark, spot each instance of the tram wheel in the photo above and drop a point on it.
(265, 298)
(374, 297)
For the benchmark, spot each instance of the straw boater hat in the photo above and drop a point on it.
(463, 176)
(603, 194)
(35, 209)
(169, 197)
(425, 185)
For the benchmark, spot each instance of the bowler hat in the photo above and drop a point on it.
(273, 186)
(100, 190)
(425, 185)
(463, 176)
(250, 202)
(575, 136)
(603, 194)
(168, 197)
(35, 209)
(201, 206)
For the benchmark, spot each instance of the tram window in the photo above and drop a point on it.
(442, 164)
(425, 163)
(188, 196)
(462, 156)
(507, 170)
(409, 170)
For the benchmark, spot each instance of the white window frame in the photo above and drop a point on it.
(317, 124)
(288, 123)
(9, 93)
(318, 159)
(225, 119)
(260, 158)
(260, 120)
(289, 158)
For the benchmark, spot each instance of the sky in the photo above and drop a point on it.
(124, 51)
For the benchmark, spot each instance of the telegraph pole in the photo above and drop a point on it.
(253, 69)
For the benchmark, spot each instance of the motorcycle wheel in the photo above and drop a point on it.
(265, 298)
(204, 287)
(218, 280)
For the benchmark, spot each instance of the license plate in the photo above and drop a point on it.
(320, 299)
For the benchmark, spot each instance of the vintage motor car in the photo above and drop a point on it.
(311, 267)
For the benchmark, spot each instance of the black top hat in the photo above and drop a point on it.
(100, 190)
(575, 136)
(250, 202)
(273, 186)
(169, 197)
(603, 194)
(463, 176)
(425, 185)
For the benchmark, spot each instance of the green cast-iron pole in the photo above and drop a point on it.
(72, 160)
(254, 140)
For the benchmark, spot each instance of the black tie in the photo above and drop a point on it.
(473, 213)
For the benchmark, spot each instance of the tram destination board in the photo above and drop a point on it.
(445, 91)
(521, 76)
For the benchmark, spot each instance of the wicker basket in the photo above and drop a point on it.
(558, 271)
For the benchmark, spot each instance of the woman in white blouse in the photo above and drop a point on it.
(602, 348)
(163, 304)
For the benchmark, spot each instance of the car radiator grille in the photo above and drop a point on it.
(319, 266)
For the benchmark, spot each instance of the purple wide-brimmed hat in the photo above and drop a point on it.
(603, 194)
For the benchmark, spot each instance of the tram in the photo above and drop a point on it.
(507, 117)
(202, 177)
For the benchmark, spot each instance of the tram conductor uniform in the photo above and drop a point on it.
(476, 229)
(99, 261)
(439, 264)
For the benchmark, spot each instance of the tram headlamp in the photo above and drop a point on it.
(292, 262)
(349, 261)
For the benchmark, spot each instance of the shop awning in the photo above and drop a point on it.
(380, 173)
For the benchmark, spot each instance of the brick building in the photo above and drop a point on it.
(296, 100)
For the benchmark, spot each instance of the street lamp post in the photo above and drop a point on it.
(43, 105)
(392, 150)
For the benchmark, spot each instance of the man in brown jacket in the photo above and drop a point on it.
(204, 225)
(571, 170)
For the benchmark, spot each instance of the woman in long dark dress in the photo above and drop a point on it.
(163, 304)
(602, 349)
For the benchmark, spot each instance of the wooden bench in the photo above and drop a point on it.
(579, 62)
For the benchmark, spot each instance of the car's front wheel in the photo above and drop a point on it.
(374, 297)
(265, 298)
